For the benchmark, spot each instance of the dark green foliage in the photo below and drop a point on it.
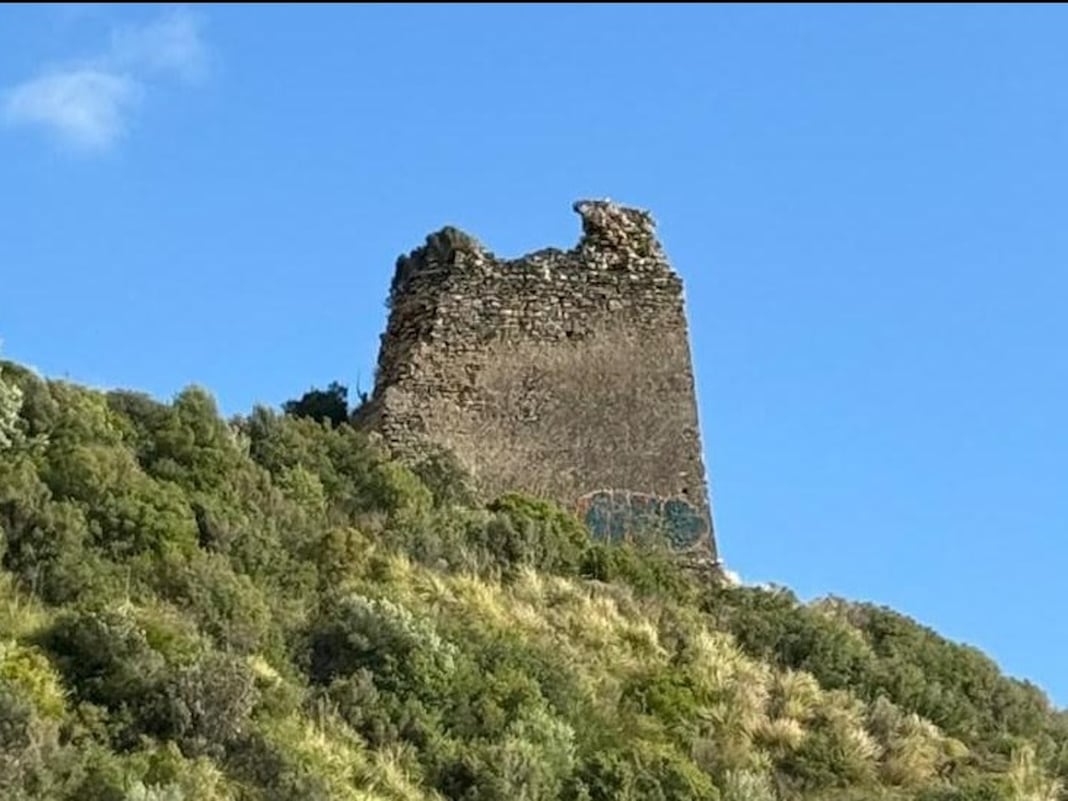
(643, 771)
(819, 764)
(17, 722)
(227, 606)
(648, 567)
(205, 706)
(268, 608)
(534, 533)
(405, 654)
(43, 540)
(330, 405)
(773, 626)
(441, 472)
(961, 689)
(665, 695)
(874, 651)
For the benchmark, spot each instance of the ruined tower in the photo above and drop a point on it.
(565, 374)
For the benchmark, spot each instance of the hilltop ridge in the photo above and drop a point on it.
(269, 608)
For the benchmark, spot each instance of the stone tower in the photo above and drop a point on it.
(565, 374)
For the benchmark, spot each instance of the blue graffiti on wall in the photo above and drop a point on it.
(619, 515)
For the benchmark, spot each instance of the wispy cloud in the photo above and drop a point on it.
(86, 107)
(169, 45)
(88, 104)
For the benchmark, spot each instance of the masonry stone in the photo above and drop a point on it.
(564, 374)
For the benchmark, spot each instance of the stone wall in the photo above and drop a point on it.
(562, 373)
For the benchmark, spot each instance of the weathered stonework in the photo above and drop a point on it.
(562, 373)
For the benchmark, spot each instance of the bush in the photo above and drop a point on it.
(106, 655)
(528, 532)
(403, 653)
(646, 567)
(642, 772)
(203, 707)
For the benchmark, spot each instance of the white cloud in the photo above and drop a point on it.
(88, 105)
(170, 44)
(85, 107)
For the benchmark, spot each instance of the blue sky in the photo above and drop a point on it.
(867, 206)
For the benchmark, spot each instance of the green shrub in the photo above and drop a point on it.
(203, 707)
(530, 532)
(404, 653)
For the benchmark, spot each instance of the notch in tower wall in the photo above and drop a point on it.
(565, 374)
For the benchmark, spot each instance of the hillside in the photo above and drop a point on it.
(267, 608)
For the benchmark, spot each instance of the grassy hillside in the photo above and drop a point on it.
(267, 608)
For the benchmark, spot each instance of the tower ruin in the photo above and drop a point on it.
(565, 374)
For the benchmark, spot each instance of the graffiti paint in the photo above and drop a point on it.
(620, 515)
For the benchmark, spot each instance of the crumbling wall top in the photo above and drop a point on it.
(441, 251)
(614, 237)
(620, 231)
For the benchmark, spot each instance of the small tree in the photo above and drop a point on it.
(331, 404)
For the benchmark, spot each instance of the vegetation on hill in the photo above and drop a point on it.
(268, 608)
